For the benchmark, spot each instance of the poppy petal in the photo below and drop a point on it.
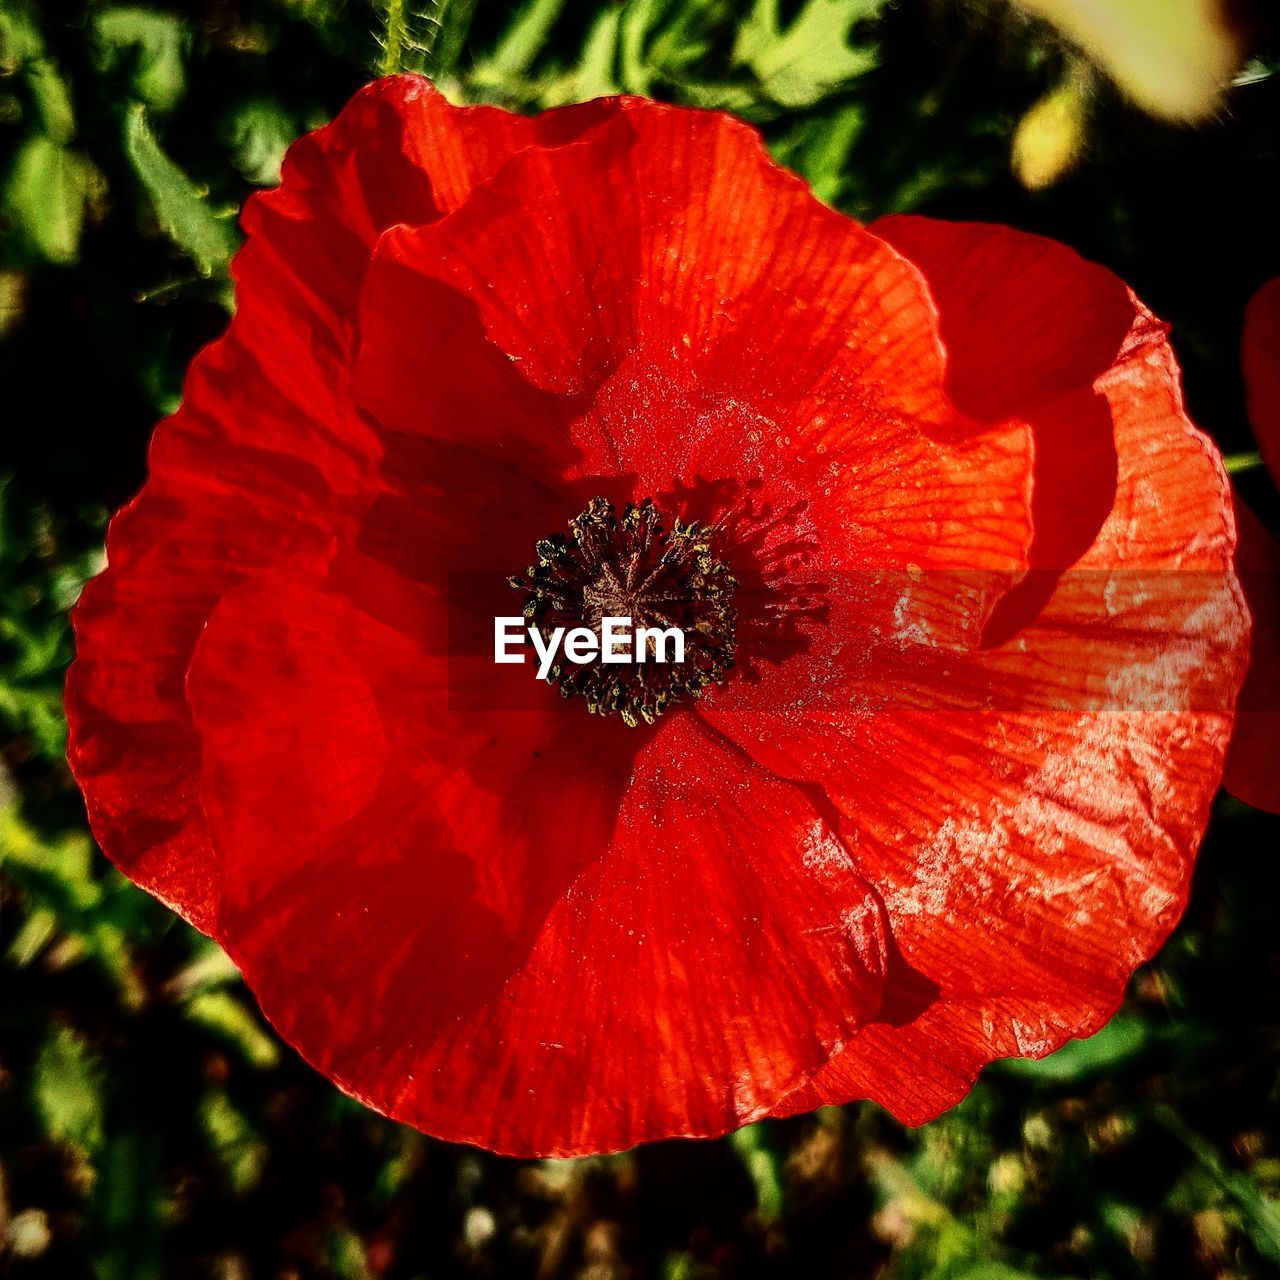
(1034, 824)
(1260, 361)
(989, 635)
(266, 445)
(1252, 774)
(464, 923)
(245, 467)
(729, 347)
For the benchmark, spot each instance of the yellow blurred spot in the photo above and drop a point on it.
(13, 298)
(1049, 137)
(1172, 57)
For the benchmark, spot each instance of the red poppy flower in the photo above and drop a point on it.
(1251, 773)
(931, 781)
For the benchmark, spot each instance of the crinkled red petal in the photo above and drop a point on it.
(510, 923)
(1253, 769)
(266, 445)
(1260, 361)
(512, 928)
(666, 314)
(1031, 816)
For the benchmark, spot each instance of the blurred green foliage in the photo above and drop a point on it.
(150, 1123)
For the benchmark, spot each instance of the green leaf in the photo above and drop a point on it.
(181, 208)
(47, 192)
(241, 1151)
(261, 132)
(801, 65)
(994, 1271)
(52, 97)
(409, 33)
(347, 1255)
(33, 935)
(639, 19)
(1260, 1214)
(22, 46)
(62, 867)
(818, 149)
(210, 967)
(67, 1091)
(761, 1165)
(38, 583)
(161, 41)
(679, 1266)
(126, 1216)
(1122, 1039)
(227, 1017)
(691, 35)
(37, 712)
(452, 25)
(526, 38)
(1237, 463)
(596, 75)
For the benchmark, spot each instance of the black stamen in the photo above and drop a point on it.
(633, 568)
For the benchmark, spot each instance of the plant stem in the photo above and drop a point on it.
(1238, 462)
(393, 46)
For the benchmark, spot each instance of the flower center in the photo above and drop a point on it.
(633, 568)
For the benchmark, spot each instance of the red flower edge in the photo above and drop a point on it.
(1251, 773)
(519, 928)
